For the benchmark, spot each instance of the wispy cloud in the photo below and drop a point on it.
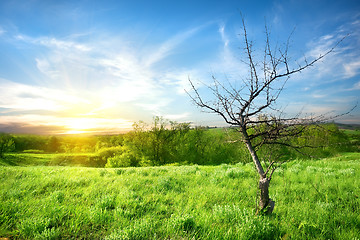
(83, 81)
(52, 42)
(228, 62)
(223, 35)
(344, 62)
(19, 97)
(355, 87)
(166, 48)
(123, 74)
(352, 68)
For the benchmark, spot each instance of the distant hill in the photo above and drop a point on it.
(348, 126)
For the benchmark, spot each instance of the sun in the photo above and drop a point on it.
(80, 125)
(95, 125)
(75, 132)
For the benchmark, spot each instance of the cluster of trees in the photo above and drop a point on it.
(51, 144)
(164, 142)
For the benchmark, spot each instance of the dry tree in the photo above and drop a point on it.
(250, 106)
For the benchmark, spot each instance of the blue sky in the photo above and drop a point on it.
(98, 66)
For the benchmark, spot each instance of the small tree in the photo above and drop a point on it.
(53, 144)
(6, 143)
(158, 142)
(251, 107)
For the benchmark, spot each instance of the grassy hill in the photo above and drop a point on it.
(50, 159)
(314, 200)
(348, 126)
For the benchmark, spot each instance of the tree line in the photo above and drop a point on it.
(165, 142)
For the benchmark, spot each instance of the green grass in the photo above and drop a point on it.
(50, 159)
(314, 200)
(26, 159)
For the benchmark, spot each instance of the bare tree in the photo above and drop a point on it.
(251, 106)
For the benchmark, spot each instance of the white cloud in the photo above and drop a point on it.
(46, 68)
(82, 81)
(19, 97)
(356, 86)
(352, 68)
(319, 95)
(224, 38)
(343, 63)
(52, 42)
(168, 46)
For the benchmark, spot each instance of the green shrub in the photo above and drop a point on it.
(123, 160)
(105, 153)
(124, 157)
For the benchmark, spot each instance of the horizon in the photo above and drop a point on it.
(97, 67)
(342, 126)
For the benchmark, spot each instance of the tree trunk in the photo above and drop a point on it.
(252, 152)
(266, 204)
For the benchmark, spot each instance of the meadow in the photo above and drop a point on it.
(315, 199)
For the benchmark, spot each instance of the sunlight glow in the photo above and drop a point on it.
(95, 125)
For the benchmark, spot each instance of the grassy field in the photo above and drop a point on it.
(50, 159)
(314, 200)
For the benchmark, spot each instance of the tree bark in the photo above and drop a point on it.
(252, 152)
(266, 204)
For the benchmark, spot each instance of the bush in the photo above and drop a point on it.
(126, 158)
(105, 153)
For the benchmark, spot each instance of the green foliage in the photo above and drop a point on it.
(171, 143)
(354, 139)
(53, 144)
(314, 141)
(166, 143)
(26, 142)
(109, 141)
(124, 157)
(105, 153)
(6, 144)
(77, 144)
(315, 200)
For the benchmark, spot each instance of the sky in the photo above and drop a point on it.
(96, 67)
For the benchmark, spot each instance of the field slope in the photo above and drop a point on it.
(314, 200)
